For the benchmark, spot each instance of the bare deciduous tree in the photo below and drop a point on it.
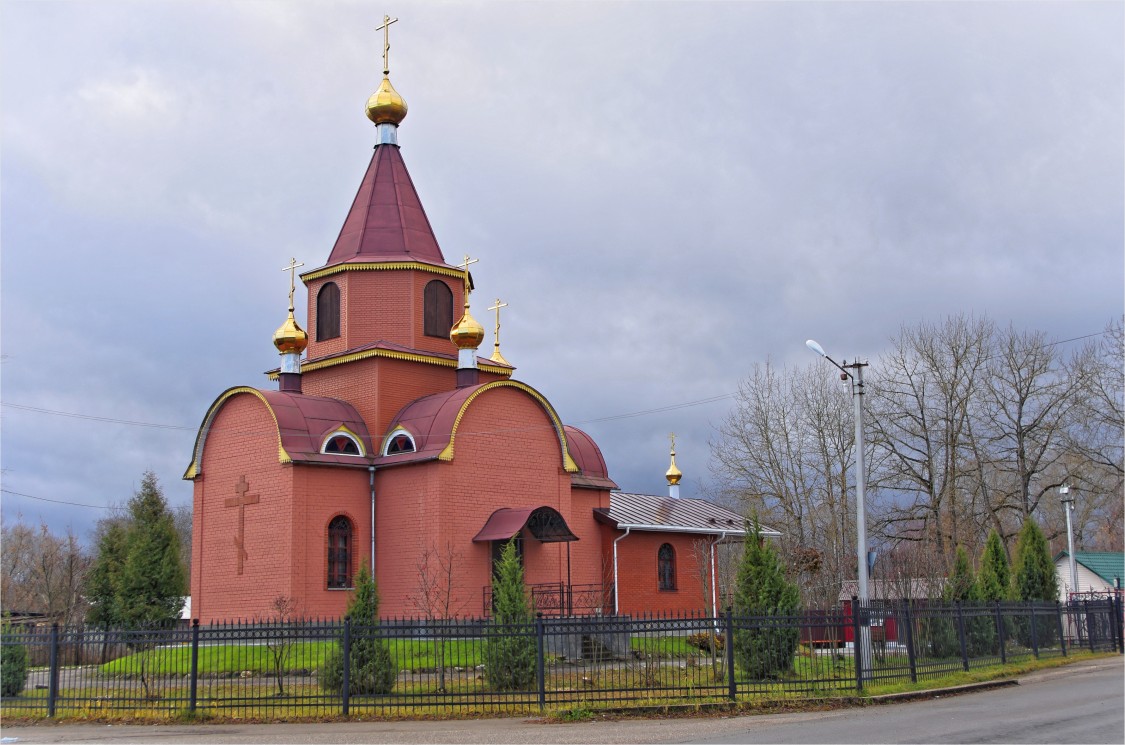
(434, 596)
(43, 573)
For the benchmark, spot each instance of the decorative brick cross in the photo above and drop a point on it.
(240, 502)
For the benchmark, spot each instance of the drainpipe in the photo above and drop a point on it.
(616, 591)
(371, 473)
(714, 575)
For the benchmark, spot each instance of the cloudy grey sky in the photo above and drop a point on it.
(664, 193)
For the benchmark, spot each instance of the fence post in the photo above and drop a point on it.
(961, 637)
(1000, 634)
(1034, 632)
(856, 655)
(1090, 628)
(540, 662)
(345, 688)
(911, 655)
(1062, 634)
(194, 663)
(1118, 623)
(732, 685)
(53, 672)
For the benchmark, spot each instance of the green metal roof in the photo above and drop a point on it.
(1105, 564)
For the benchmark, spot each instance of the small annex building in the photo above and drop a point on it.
(387, 439)
(1100, 574)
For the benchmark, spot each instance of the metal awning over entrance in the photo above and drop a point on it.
(544, 523)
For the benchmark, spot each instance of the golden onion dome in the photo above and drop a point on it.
(386, 106)
(673, 474)
(467, 333)
(289, 337)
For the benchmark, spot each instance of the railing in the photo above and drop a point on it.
(318, 668)
(561, 599)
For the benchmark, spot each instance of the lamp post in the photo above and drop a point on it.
(1067, 500)
(863, 646)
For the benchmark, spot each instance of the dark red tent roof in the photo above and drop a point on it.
(386, 221)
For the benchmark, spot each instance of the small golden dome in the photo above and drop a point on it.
(386, 106)
(289, 337)
(674, 475)
(467, 333)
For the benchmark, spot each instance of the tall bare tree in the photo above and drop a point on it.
(41, 572)
(786, 452)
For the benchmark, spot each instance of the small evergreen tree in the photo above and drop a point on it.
(102, 583)
(13, 663)
(372, 671)
(510, 649)
(1034, 580)
(151, 584)
(766, 649)
(994, 583)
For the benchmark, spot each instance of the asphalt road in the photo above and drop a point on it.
(1080, 703)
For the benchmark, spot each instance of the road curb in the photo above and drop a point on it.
(890, 698)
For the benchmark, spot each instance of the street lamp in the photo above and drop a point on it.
(860, 489)
(1067, 500)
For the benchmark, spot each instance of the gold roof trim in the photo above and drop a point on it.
(389, 354)
(382, 266)
(195, 468)
(568, 463)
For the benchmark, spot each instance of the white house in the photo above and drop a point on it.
(1099, 573)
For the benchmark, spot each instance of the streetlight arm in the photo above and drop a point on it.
(811, 344)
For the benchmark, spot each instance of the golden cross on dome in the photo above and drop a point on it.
(464, 266)
(292, 268)
(496, 335)
(672, 437)
(386, 29)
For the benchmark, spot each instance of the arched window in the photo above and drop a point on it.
(340, 443)
(400, 442)
(328, 312)
(666, 567)
(340, 552)
(438, 312)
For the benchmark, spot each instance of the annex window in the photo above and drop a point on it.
(438, 311)
(666, 567)
(340, 443)
(340, 552)
(399, 442)
(328, 312)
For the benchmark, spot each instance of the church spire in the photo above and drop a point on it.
(290, 341)
(386, 108)
(467, 335)
(673, 474)
(496, 356)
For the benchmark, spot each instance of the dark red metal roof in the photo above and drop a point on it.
(386, 221)
(304, 421)
(592, 471)
(506, 522)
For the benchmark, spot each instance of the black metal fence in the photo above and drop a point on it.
(297, 669)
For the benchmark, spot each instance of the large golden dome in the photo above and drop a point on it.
(386, 106)
(289, 337)
(467, 333)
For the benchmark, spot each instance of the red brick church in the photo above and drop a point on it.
(388, 437)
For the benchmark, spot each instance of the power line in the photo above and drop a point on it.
(57, 501)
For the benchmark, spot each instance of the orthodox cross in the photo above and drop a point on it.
(386, 29)
(464, 266)
(292, 268)
(497, 308)
(240, 502)
(672, 437)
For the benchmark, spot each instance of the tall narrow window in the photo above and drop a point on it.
(438, 312)
(666, 567)
(328, 312)
(340, 552)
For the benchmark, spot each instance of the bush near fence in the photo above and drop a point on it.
(232, 670)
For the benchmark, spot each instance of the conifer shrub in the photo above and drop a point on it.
(509, 653)
(1034, 580)
(372, 671)
(13, 663)
(766, 644)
